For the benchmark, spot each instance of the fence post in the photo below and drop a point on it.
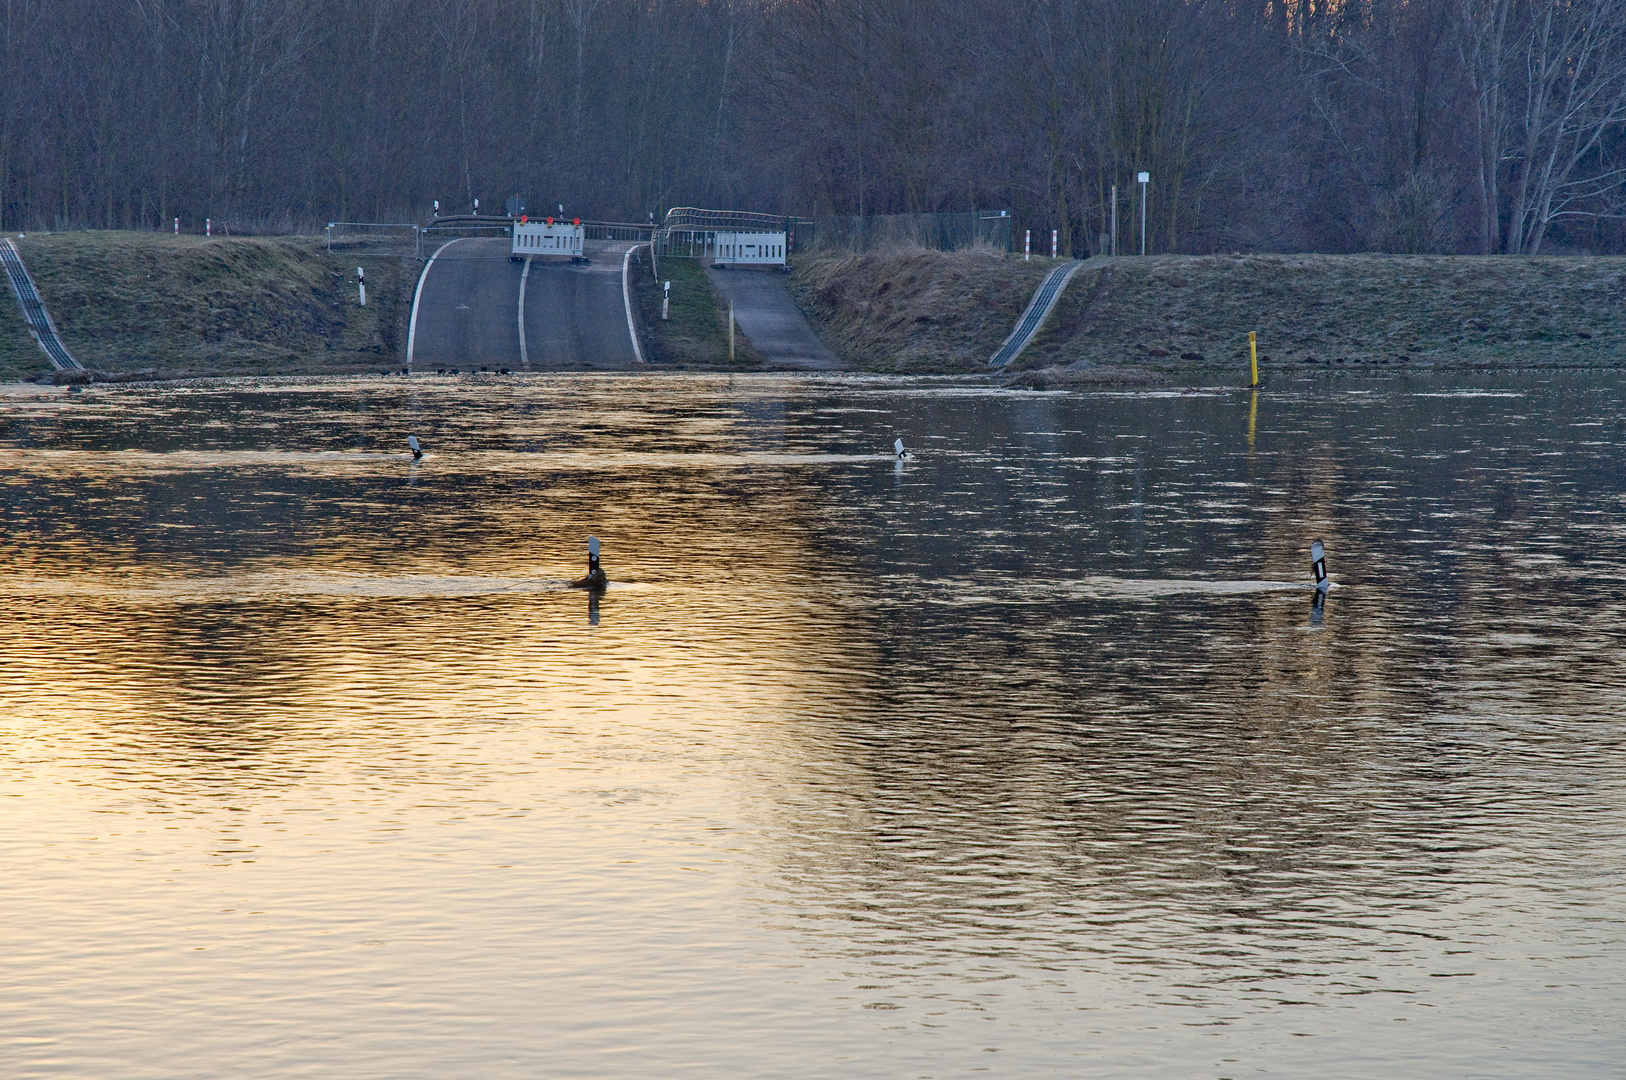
(1115, 219)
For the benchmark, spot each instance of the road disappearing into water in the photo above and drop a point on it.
(476, 308)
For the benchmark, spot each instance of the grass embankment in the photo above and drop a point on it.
(186, 305)
(20, 357)
(696, 333)
(925, 311)
(916, 310)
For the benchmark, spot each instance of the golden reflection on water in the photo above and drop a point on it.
(1027, 754)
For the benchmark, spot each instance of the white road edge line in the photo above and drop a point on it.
(524, 357)
(626, 300)
(412, 325)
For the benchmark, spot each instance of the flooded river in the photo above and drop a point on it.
(1029, 755)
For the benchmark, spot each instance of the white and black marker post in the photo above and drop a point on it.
(361, 283)
(415, 447)
(1318, 565)
(595, 579)
(898, 450)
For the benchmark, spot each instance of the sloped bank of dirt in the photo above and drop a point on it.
(125, 302)
(916, 310)
(933, 311)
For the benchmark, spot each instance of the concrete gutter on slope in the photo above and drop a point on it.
(1038, 309)
(39, 320)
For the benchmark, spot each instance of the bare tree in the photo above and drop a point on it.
(1573, 84)
(240, 47)
(19, 22)
(580, 13)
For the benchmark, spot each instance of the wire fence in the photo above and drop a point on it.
(940, 232)
(616, 230)
(373, 238)
(689, 232)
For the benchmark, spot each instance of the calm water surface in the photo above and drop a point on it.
(1027, 756)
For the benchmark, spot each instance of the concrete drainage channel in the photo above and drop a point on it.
(39, 320)
(1038, 309)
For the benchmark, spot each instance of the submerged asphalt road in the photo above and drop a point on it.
(770, 319)
(467, 312)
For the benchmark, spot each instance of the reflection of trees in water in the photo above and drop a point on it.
(1024, 774)
(979, 761)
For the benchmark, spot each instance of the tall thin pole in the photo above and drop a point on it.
(1115, 219)
(1142, 178)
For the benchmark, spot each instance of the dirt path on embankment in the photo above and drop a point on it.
(125, 302)
(919, 311)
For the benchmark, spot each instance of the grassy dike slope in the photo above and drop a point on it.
(186, 305)
(927, 311)
(915, 310)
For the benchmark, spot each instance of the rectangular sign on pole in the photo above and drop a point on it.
(1142, 179)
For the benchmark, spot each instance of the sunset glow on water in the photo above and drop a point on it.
(1025, 756)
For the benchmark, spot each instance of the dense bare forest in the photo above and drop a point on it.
(1317, 125)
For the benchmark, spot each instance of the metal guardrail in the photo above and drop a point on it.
(690, 218)
(690, 232)
(617, 230)
(39, 320)
(493, 225)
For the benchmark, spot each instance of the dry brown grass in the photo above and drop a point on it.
(915, 310)
(931, 311)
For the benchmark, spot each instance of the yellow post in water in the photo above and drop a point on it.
(1253, 355)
